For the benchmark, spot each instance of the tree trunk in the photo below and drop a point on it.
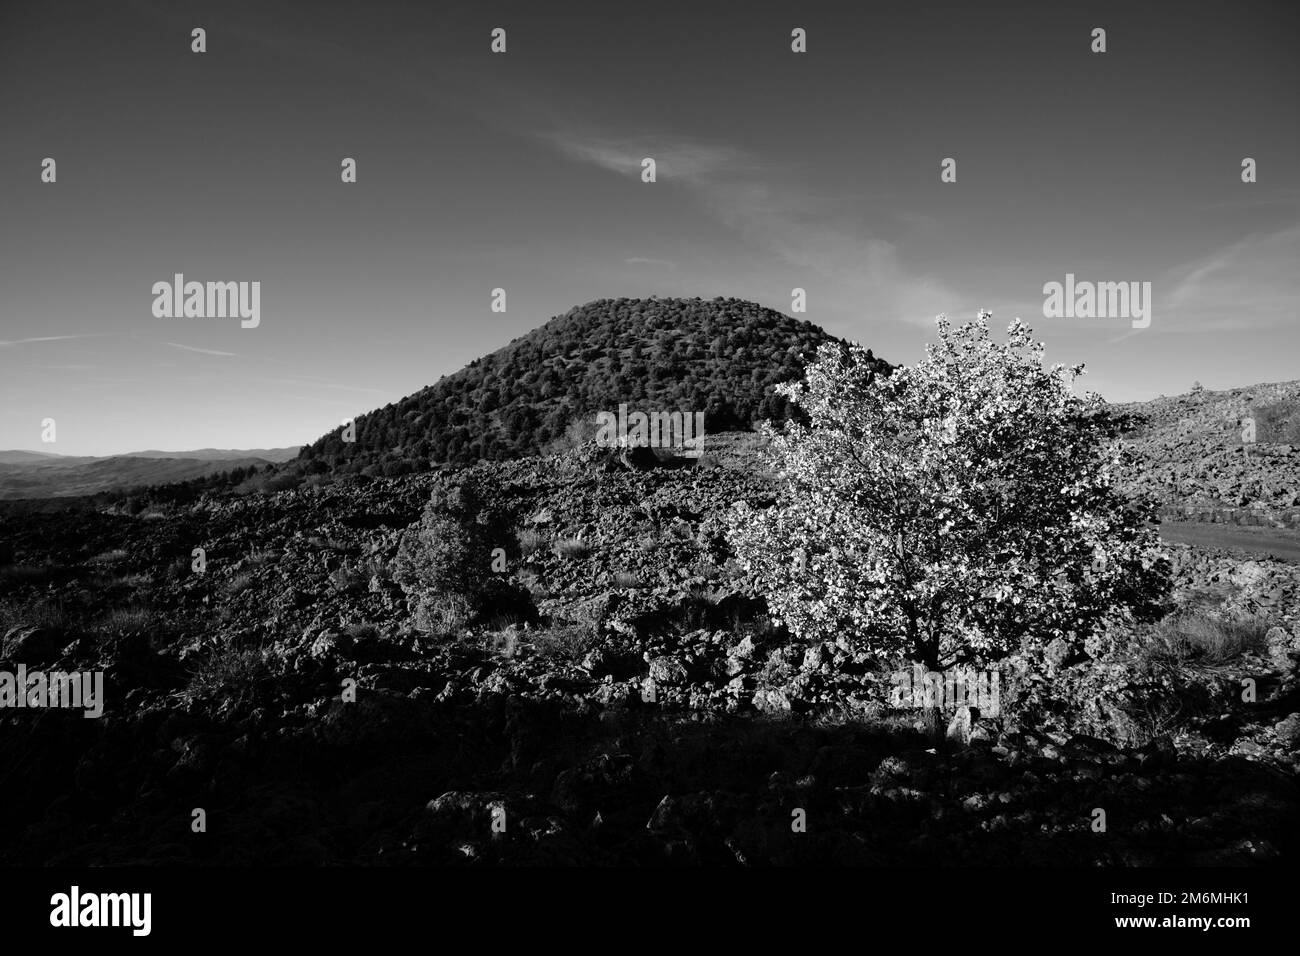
(935, 725)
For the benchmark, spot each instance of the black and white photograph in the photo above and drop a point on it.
(455, 451)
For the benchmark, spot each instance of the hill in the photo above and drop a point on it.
(18, 457)
(720, 357)
(34, 475)
(222, 454)
(1199, 458)
(70, 477)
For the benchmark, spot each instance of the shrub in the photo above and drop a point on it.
(108, 557)
(40, 613)
(134, 617)
(532, 581)
(503, 642)
(240, 583)
(571, 549)
(959, 511)
(442, 613)
(531, 541)
(1196, 636)
(568, 641)
(347, 580)
(230, 676)
(132, 581)
(579, 433)
(651, 542)
(451, 549)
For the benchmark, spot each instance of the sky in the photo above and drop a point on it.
(522, 171)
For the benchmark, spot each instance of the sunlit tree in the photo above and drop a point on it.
(954, 512)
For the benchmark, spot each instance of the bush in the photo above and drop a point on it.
(579, 433)
(450, 552)
(230, 676)
(531, 541)
(240, 583)
(134, 617)
(571, 549)
(959, 511)
(347, 580)
(39, 613)
(1195, 636)
(568, 642)
(108, 557)
(442, 613)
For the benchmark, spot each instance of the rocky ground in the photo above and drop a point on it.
(637, 707)
(1228, 457)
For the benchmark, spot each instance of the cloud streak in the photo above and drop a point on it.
(858, 269)
(1248, 284)
(191, 348)
(648, 261)
(10, 343)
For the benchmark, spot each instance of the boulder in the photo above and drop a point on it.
(1288, 731)
(817, 657)
(959, 728)
(772, 700)
(1279, 647)
(329, 643)
(667, 670)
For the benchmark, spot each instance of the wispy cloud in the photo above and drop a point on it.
(9, 343)
(680, 161)
(852, 269)
(648, 261)
(1249, 284)
(1280, 198)
(191, 348)
(1124, 337)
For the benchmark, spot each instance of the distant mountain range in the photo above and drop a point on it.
(21, 457)
(32, 474)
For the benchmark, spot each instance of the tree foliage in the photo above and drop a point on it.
(451, 550)
(957, 511)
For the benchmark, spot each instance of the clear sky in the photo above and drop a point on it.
(522, 171)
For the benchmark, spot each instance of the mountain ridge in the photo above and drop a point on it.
(22, 456)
